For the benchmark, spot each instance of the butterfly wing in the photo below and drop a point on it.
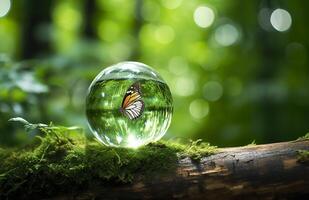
(132, 104)
(134, 110)
(129, 98)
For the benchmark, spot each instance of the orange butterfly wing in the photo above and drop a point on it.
(132, 105)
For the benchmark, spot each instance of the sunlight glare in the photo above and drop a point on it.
(134, 142)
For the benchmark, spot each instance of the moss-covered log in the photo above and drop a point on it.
(60, 164)
(271, 171)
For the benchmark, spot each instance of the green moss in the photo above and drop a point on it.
(61, 161)
(305, 137)
(194, 150)
(303, 156)
(253, 143)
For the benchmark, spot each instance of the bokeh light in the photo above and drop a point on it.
(171, 4)
(184, 86)
(281, 20)
(164, 34)
(178, 65)
(263, 18)
(226, 35)
(67, 17)
(199, 108)
(204, 16)
(5, 6)
(213, 90)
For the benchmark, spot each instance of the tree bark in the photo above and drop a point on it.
(270, 171)
(36, 22)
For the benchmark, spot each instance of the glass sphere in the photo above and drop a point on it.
(128, 105)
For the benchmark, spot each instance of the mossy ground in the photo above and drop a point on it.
(61, 160)
(303, 156)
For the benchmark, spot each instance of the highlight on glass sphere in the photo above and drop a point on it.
(128, 105)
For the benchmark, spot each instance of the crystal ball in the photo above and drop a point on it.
(128, 105)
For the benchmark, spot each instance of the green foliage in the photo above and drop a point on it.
(249, 89)
(20, 90)
(62, 160)
(303, 156)
(37, 90)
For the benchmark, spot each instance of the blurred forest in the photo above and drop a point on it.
(238, 70)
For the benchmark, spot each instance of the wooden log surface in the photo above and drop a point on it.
(270, 171)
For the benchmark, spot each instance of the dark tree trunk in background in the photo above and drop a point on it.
(35, 36)
(138, 23)
(89, 16)
(268, 44)
(35, 31)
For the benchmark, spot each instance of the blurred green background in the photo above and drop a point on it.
(238, 70)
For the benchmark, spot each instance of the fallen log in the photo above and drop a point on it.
(270, 171)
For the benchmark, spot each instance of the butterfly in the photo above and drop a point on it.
(132, 104)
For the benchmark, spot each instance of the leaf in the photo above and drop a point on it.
(19, 119)
(28, 126)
